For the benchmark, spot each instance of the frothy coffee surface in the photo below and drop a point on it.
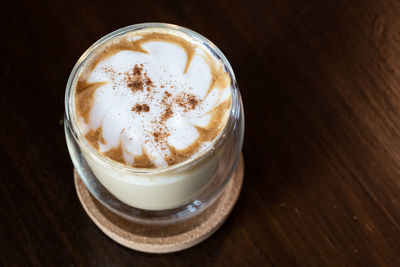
(152, 98)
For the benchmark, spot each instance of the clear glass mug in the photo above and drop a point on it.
(157, 196)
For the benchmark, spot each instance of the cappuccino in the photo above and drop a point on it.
(156, 117)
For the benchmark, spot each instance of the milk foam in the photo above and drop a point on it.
(169, 114)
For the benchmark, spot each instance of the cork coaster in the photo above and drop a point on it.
(163, 239)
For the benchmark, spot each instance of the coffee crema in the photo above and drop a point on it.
(152, 98)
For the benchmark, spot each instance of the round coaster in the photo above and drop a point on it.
(162, 239)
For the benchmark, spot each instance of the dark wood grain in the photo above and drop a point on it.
(320, 82)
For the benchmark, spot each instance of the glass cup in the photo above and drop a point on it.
(164, 195)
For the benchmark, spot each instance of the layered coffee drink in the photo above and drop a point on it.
(151, 104)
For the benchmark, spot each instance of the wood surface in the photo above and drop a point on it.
(320, 81)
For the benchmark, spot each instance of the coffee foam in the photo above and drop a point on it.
(152, 98)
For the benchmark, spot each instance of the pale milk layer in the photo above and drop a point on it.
(156, 104)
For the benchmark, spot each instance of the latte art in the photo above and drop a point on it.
(152, 98)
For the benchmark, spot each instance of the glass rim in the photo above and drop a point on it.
(212, 48)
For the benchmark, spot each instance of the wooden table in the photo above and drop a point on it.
(320, 83)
